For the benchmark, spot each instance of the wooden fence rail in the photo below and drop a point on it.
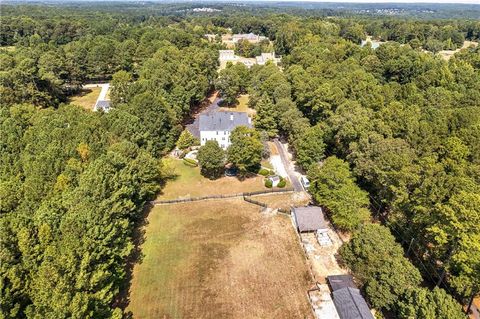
(195, 199)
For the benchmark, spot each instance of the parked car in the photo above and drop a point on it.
(305, 182)
(232, 171)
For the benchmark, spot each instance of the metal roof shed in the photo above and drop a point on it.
(350, 304)
(309, 218)
(337, 282)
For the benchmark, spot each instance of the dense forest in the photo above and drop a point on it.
(390, 139)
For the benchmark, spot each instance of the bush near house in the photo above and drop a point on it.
(268, 183)
(282, 183)
(190, 162)
(264, 172)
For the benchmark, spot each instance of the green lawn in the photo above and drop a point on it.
(190, 183)
(242, 105)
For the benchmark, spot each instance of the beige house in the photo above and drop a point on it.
(230, 56)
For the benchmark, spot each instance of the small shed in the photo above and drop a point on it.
(275, 180)
(309, 219)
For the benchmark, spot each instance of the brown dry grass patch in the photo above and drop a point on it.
(86, 98)
(219, 259)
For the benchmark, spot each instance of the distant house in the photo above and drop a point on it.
(250, 37)
(265, 57)
(309, 219)
(226, 56)
(348, 301)
(217, 126)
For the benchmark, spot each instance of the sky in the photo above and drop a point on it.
(386, 1)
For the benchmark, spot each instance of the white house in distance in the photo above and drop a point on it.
(250, 37)
(217, 126)
(226, 56)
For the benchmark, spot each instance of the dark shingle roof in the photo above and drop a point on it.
(350, 304)
(223, 121)
(337, 282)
(309, 218)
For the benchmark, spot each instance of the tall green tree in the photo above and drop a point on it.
(245, 151)
(266, 118)
(333, 186)
(378, 262)
(211, 158)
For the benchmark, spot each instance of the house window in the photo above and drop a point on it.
(223, 138)
(217, 132)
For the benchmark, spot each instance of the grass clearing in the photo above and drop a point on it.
(219, 259)
(86, 98)
(284, 201)
(242, 106)
(190, 183)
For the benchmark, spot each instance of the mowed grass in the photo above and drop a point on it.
(190, 183)
(86, 98)
(241, 106)
(219, 259)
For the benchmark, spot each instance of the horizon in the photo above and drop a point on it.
(470, 2)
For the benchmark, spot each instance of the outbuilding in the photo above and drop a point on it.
(348, 300)
(309, 219)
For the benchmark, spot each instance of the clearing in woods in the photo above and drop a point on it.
(86, 98)
(219, 259)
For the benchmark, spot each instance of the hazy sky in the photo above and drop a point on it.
(388, 1)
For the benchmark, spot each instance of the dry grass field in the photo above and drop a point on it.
(86, 98)
(219, 259)
(189, 183)
(283, 201)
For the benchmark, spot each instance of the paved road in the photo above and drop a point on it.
(297, 186)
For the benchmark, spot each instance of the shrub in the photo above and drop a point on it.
(268, 183)
(272, 172)
(282, 183)
(190, 162)
(264, 172)
(187, 140)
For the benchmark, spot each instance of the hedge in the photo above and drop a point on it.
(268, 183)
(264, 172)
(190, 162)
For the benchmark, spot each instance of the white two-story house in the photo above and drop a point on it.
(218, 126)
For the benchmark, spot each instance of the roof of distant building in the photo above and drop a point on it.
(223, 121)
(309, 218)
(350, 304)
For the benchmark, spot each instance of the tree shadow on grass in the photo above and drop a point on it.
(122, 300)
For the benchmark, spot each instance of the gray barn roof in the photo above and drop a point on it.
(350, 304)
(337, 282)
(223, 121)
(309, 218)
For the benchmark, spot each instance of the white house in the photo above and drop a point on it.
(217, 126)
(226, 56)
(250, 37)
(265, 57)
